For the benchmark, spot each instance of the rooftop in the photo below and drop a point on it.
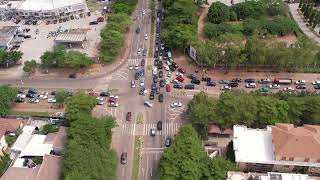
(269, 176)
(39, 5)
(9, 125)
(8, 30)
(70, 37)
(36, 147)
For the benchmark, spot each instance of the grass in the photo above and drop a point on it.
(28, 113)
(136, 160)
(140, 119)
(93, 5)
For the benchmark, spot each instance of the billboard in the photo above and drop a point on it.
(193, 53)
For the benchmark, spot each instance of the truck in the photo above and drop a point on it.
(282, 81)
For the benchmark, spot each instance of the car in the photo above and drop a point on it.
(167, 81)
(130, 67)
(129, 116)
(136, 67)
(124, 158)
(177, 86)
(143, 12)
(166, 67)
(159, 125)
(114, 96)
(179, 74)
(93, 23)
(180, 78)
(169, 75)
(21, 96)
(250, 85)
(288, 89)
(51, 100)
(274, 86)
(91, 93)
(181, 70)
(100, 19)
(156, 62)
(152, 132)
(20, 100)
(136, 76)
(162, 46)
(168, 142)
(175, 104)
(211, 83)
(264, 81)
(34, 100)
(144, 52)
(42, 96)
(249, 81)
(32, 91)
(113, 104)
(141, 82)
(155, 79)
(143, 91)
(153, 86)
(141, 72)
(157, 90)
(301, 86)
(264, 89)
(104, 94)
(139, 51)
(300, 82)
(73, 76)
(317, 86)
(27, 36)
(160, 65)
(100, 102)
(160, 97)
(191, 76)
(224, 82)
(189, 86)
(143, 62)
(195, 81)
(168, 88)
(138, 30)
(155, 71)
(161, 83)
(225, 87)
(147, 103)
(146, 36)
(315, 82)
(112, 100)
(234, 84)
(151, 97)
(160, 74)
(31, 95)
(236, 80)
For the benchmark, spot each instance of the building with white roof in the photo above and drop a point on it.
(268, 176)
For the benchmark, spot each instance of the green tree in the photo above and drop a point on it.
(7, 97)
(77, 60)
(61, 97)
(49, 128)
(111, 45)
(218, 13)
(122, 8)
(30, 66)
(217, 168)
(250, 26)
(55, 58)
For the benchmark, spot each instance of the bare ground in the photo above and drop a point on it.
(201, 23)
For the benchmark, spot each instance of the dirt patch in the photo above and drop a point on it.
(201, 23)
(289, 39)
(26, 107)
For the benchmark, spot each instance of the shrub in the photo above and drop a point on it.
(219, 13)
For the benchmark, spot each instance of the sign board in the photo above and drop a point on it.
(193, 53)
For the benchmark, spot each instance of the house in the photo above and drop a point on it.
(268, 176)
(280, 148)
(8, 126)
(7, 34)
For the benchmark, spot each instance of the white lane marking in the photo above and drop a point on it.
(123, 171)
(147, 168)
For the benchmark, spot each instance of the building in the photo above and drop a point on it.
(8, 9)
(8, 126)
(268, 176)
(49, 9)
(280, 148)
(71, 39)
(7, 35)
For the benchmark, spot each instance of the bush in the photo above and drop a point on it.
(250, 26)
(9, 58)
(49, 128)
(281, 25)
(215, 30)
(7, 97)
(30, 66)
(219, 13)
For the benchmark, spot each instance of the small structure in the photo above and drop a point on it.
(74, 38)
(8, 126)
(7, 34)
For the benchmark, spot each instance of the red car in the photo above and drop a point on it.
(182, 70)
(168, 88)
(93, 94)
(180, 78)
(111, 100)
(128, 116)
(100, 19)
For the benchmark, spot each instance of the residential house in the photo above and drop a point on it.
(268, 176)
(8, 126)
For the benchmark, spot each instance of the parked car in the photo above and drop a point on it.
(301, 86)
(195, 81)
(160, 97)
(288, 89)
(93, 23)
(160, 74)
(155, 79)
(177, 86)
(274, 86)
(151, 97)
(143, 62)
(161, 83)
(234, 84)
(264, 89)
(226, 87)
(211, 83)
(105, 94)
(315, 82)
(51, 100)
(180, 78)
(236, 80)
(249, 81)
(168, 88)
(264, 81)
(317, 86)
(153, 86)
(175, 104)
(300, 82)
(159, 125)
(124, 158)
(168, 142)
(183, 71)
(250, 85)
(113, 104)
(189, 86)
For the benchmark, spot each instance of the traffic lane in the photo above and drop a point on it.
(150, 164)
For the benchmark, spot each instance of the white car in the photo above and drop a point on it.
(148, 104)
(169, 74)
(42, 97)
(51, 100)
(100, 103)
(288, 89)
(166, 67)
(155, 71)
(251, 85)
(139, 51)
(167, 81)
(21, 96)
(143, 12)
(136, 67)
(315, 82)
(175, 104)
(226, 87)
(114, 96)
(179, 74)
(274, 86)
(146, 37)
(45, 93)
(100, 98)
(130, 67)
(113, 104)
(133, 84)
(301, 82)
(141, 82)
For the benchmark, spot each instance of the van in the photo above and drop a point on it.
(189, 86)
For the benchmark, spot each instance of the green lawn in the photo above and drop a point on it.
(28, 113)
(136, 159)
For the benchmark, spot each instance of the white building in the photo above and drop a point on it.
(268, 176)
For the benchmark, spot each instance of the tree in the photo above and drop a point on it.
(7, 97)
(9, 58)
(250, 26)
(122, 8)
(217, 168)
(55, 58)
(61, 97)
(77, 60)
(300, 4)
(49, 128)
(218, 13)
(111, 45)
(30, 66)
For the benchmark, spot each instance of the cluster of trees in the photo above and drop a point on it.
(186, 159)
(114, 33)
(7, 97)
(88, 154)
(9, 58)
(59, 57)
(49, 128)
(30, 66)
(180, 24)
(253, 109)
(310, 13)
(4, 163)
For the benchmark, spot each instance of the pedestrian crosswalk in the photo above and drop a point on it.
(133, 61)
(144, 129)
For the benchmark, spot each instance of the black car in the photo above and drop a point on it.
(195, 81)
(27, 36)
(160, 65)
(31, 95)
(211, 83)
(237, 80)
(189, 86)
(159, 125)
(301, 87)
(105, 94)
(138, 30)
(205, 78)
(234, 84)
(72, 76)
(93, 23)
(172, 68)
(177, 86)
(160, 74)
(155, 79)
(143, 62)
(136, 76)
(168, 142)
(20, 100)
(249, 81)
(124, 158)
(161, 83)
(21, 91)
(191, 76)
(160, 97)
(154, 86)
(317, 86)
(151, 95)
(32, 91)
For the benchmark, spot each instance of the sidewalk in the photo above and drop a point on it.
(305, 29)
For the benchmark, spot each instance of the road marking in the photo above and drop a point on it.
(123, 171)
(147, 169)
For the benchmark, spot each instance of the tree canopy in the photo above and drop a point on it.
(218, 13)
(7, 97)
(9, 58)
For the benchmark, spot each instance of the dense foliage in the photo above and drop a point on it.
(187, 160)
(60, 58)
(7, 97)
(218, 13)
(88, 154)
(4, 163)
(125, 6)
(49, 128)
(9, 58)
(30, 66)
(253, 109)
(215, 30)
